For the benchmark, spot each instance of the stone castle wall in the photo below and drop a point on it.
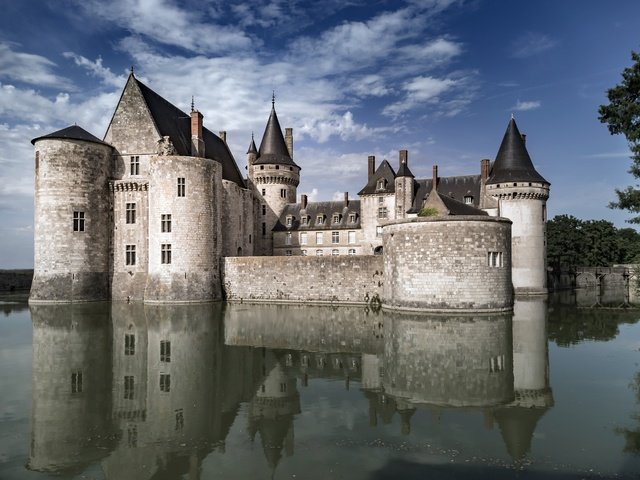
(237, 220)
(442, 264)
(355, 280)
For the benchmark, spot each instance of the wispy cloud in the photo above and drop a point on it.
(530, 44)
(29, 68)
(522, 106)
(97, 69)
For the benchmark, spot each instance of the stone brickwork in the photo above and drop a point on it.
(443, 264)
(370, 205)
(71, 176)
(355, 280)
(237, 220)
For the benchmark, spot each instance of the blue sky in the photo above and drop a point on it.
(437, 77)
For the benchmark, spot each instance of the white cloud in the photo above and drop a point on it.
(418, 91)
(29, 68)
(530, 44)
(97, 69)
(521, 106)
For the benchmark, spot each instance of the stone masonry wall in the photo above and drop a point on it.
(355, 280)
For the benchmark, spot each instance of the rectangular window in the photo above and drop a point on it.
(264, 192)
(165, 223)
(304, 220)
(130, 254)
(494, 259)
(304, 253)
(303, 238)
(382, 212)
(283, 193)
(378, 231)
(288, 253)
(380, 200)
(165, 351)
(131, 212)
(336, 218)
(496, 364)
(352, 218)
(320, 219)
(352, 251)
(78, 221)
(289, 221)
(76, 382)
(134, 165)
(182, 186)
(165, 253)
(165, 382)
(318, 253)
(335, 252)
(319, 239)
(129, 344)
(468, 199)
(287, 239)
(264, 209)
(352, 237)
(128, 387)
(335, 237)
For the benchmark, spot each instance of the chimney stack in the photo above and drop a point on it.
(346, 199)
(288, 139)
(197, 142)
(524, 138)
(303, 202)
(372, 166)
(484, 169)
(434, 185)
(404, 157)
(223, 135)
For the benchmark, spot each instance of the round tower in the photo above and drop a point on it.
(522, 195)
(275, 176)
(72, 224)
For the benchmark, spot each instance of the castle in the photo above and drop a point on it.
(156, 210)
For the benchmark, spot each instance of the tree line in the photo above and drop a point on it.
(589, 243)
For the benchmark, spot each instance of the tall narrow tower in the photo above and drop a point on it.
(522, 195)
(275, 176)
(404, 186)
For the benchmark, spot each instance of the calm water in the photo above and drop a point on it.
(138, 392)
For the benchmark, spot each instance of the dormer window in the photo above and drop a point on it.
(381, 184)
(320, 219)
(336, 218)
(352, 218)
(289, 221)
(304, 220)
(468, 199)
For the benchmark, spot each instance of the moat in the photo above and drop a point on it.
(132, 391)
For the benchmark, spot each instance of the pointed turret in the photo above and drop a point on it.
(273, 148)
(513, 163)
(252, 146)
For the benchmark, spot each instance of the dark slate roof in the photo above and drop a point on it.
(403, 171)
(453, 187)
(319, 208)
(456, 207)
(74, 132)
(176, 124)
(273, 148)
(252, 146)
(513, 163)
(385, 170)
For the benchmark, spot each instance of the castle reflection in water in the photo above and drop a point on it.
(148, 391)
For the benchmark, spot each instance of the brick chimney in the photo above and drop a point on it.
(372, 166)
(484, 169)
(223, 135)
(303, 202)
(197, 142)
(434, 185)
(346, 199)
(404, 157)
(288, 139)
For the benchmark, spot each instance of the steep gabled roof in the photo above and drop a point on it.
(273, 148)
(513, 163)
(176, 124)
(446, 205)
(384, 171)
(403, 171)
(74, 132)
(453, 187)
(314, 209)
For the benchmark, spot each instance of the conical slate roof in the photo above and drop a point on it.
(513, 163)
(273, 148)
(404, 171)
(74, 132)
(252, 146)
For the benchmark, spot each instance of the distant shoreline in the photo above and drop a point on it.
(15, 279)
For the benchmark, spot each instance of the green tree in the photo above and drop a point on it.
(622, 116)
(629, 245)
(564, 242)
(600, 247)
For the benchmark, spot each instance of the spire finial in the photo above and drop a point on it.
(273, 99)
(192, 104)
(252, 136)
(512, 117)
(131, 70)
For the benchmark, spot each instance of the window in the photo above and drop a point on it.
(304, 220)
(264, 192)
(283, 387)
(134, 165)
(130, 254)
(165, 253)
(261, 167)
(277, 167)
(304, 253)
(352, 218)
(179, 419)
(287, 238)
(129, 344)
(165, 223)
(76, 382)
(380, 184)
(318, 253)
(288, 253)
(289, 221)
(352, 251)
(319, 239)
(128, 387)
(335, 252)
(335, 237)
(264, 228)
(78, 221)
(494, 259)
(165, 351)
(303, 238)
(496, 364)
(131, 212)
(352, 237)
(336, 218)
(380, 200)
(468, 199)
(165, 382)
(320, 219)
(182, 186)
(283, 193)
(378, 231)
(264, 209)
(382, 212)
